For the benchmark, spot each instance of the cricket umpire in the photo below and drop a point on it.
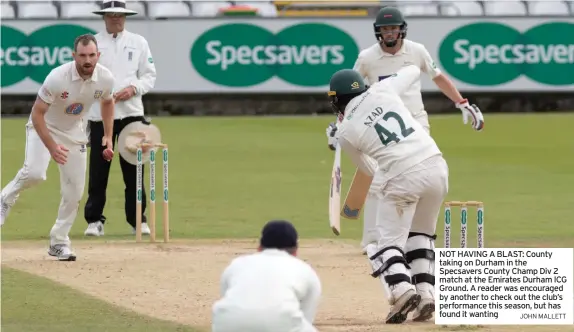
(128, 57)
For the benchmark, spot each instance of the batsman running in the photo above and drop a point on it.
(56, 131)
(383, 139)
(391, 52)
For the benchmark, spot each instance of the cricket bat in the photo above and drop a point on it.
(335, 193)
(356, 196)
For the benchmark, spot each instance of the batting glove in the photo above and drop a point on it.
(472, 112)
(331, 139)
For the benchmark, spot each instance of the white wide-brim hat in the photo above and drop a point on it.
(115, 6)
(134, 134)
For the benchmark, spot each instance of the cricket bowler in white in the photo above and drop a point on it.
(271, 290)
(56, 130)
(384, 58)
(380, 135)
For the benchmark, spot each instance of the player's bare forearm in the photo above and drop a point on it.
(447, 87)
(107, 107)
(38, 111)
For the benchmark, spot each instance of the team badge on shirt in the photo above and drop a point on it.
(98, 94)
(74, 109)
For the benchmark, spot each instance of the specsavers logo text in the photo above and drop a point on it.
(36, 54)
(494, 53)
(242, 55)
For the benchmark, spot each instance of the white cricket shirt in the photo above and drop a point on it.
(129, 58)
(375, 65)
(267, 291)
(377, 125)
(70, 97)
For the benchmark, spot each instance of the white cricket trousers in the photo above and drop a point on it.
(410, 202)
(370, 206)
(33, 172)
(234, 320)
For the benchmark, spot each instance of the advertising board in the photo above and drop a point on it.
(299, 55)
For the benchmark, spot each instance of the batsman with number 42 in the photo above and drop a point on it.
(395, 203)
(381, 137)
(378, 62)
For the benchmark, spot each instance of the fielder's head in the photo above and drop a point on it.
(390, 26)
(279, 234)
(114, 13)
(86, 54)
(345, 85)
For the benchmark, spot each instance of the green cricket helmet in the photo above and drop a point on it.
(345, 85)
(390, 16)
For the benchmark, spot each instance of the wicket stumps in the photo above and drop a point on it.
(463, 222)
(152, 192)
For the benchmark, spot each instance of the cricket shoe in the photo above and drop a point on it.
(402, 306)
(62, 251)
(95, 229)
(424, 310)
(145, 229)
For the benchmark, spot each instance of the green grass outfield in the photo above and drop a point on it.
(228, 176)
(52, 307)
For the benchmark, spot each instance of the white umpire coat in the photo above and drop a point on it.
(129, 58)
(267, 291)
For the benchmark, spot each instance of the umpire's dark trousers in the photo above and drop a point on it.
(100, 170)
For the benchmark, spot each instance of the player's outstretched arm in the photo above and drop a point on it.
(445, 85)
(449, 89)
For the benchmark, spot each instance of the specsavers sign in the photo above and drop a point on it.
(492, 53)
(294, 56)
(242, 55)
(34, 54)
